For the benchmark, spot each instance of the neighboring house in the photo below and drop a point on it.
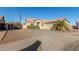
(77, 24)
(2, 20)
(42, 23)
(12, 26)
(74, 27)
(8, 26)
(2, 23)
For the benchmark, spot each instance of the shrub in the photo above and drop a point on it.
(33, 27)
(18, 25)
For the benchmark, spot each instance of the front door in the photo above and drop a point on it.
(38, 23)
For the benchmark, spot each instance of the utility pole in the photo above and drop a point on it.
(20, 16)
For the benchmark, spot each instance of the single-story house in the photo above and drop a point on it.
(42, 23)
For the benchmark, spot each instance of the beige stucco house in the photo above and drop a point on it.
(42, 23)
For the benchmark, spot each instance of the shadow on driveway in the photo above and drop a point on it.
(32, 47)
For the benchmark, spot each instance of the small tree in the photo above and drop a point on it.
(18, 25)
(60, 25)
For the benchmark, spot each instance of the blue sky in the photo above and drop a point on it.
(12, 13)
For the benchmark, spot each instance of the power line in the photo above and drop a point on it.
(20, 15)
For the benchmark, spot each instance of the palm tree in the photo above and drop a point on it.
(61, 25)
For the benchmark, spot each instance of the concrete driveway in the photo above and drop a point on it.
(56, 41)
(51, 41)
(15, 40)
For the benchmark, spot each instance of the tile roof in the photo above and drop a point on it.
(31, 20)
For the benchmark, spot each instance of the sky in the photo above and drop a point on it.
(12, 14)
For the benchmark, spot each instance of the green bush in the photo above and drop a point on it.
(33, 27)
